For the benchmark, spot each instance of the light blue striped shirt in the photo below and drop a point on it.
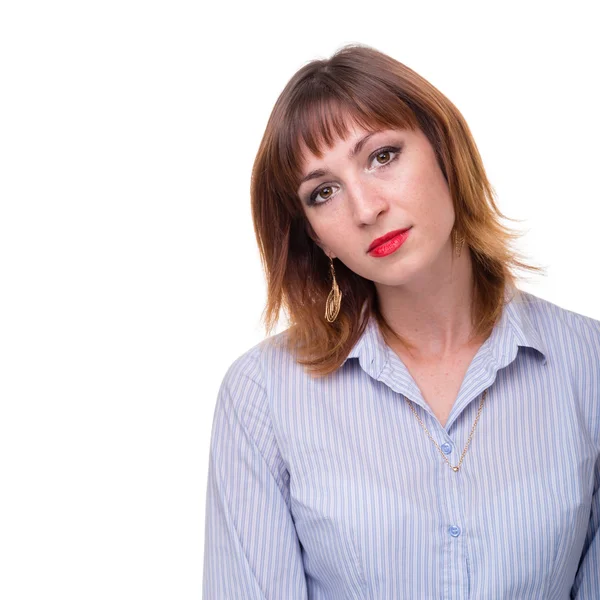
(331, 490)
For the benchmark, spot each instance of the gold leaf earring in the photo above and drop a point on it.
(458, 242)
(334, 300)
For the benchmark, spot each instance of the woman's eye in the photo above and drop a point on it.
(383, 157)
(324, 193)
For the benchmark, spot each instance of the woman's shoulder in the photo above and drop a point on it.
(545, 309)
(560, 325)
(260, 361)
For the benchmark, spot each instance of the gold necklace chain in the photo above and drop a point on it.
(455, 469)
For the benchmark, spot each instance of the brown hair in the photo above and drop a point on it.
(361, 84)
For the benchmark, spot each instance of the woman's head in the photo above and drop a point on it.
(371, 183)
(313, 198)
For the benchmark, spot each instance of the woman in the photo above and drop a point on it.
(424, 428)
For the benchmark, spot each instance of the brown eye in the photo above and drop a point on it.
(385, 154)
(321, 195)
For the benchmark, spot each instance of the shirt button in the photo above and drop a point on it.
(454, 531)
(446, 448)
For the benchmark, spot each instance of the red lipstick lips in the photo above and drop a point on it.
(388, 243)
(385, 238)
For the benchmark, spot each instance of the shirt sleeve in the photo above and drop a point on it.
(587, 579)
(251, 549)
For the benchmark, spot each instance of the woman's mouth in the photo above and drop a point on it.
(390, 245)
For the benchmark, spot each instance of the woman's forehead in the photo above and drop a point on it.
(324, 131)
(355, 132)
(323, 144)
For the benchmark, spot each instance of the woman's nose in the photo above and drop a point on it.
(367, 202)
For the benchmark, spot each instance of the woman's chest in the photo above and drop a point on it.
(373, 500)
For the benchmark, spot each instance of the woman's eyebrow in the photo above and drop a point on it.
(353, 152)
(314, 175)
(359, 145)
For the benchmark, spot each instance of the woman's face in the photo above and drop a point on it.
(392, 181)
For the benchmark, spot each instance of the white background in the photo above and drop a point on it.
(129, 272)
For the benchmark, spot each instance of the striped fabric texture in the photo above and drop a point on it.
(330, 489)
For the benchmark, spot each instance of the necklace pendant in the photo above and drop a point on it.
(455, 469)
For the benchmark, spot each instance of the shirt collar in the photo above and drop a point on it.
(515, 326)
